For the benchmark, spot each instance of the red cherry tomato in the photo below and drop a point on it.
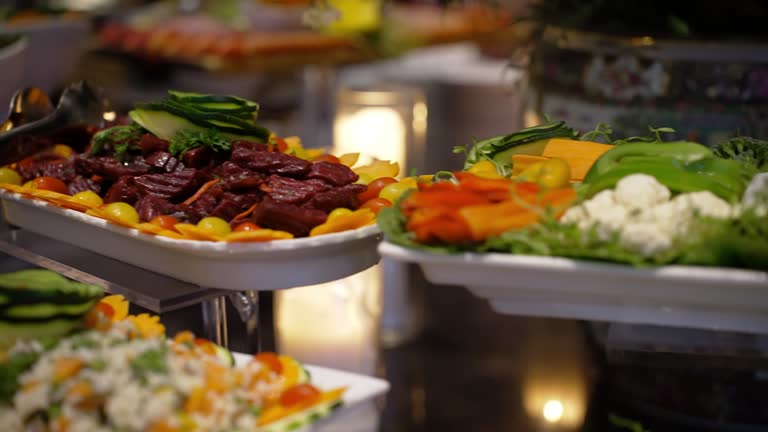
(277, 142)
(165, 221)
(270, 360)
(374, 188)
(300, 395)
(246, 226)
(106, 310)
(327, 158)
(376, 204)
(51, 184)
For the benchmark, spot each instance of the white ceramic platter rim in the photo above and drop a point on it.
(558, 264)
(360, 388)
(232, 248)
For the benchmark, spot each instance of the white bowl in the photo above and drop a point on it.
(54, 47)
(12, 65)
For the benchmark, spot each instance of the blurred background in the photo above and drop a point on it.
(408, 81)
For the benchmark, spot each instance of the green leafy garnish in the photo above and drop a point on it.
(750, 152)
(150, 361)
(603, 132)
(11, 370)
(119, 138)
(741, 242)
(186, 140)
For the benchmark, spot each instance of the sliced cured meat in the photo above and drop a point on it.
(287, 217)
(81, 184)
(270, 162)
(292, 191)
(124, 190)
(151, 206)
(342, 197)
(333, 173)
(170, 186)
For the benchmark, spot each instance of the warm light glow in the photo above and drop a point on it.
(553, 411)
(110, 116)
(333, 324)
(374, 132)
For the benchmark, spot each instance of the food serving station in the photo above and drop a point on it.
(554, 273)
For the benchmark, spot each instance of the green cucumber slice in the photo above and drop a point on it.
(302, 419)
(199, 98)
(225, 355)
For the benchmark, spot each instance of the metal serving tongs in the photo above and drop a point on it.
(80, 103)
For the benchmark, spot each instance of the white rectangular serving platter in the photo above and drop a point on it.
(361, 390)
(236, 266)
(679, 296)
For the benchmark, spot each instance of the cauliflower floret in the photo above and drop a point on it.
(645, 238)
(640, 191)
(601, 211)
(704, 203)
(756, 194)
(574, 215)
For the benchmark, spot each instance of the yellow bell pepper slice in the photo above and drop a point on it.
(377, 169)
(550, 174)
(344, 221)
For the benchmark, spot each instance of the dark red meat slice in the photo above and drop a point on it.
(198, 157)
(231, 205)
(291, 191)
(150, 144)
(220, 203)
(333, 173)
(345, 196)
(204, 205)
(163, 161)
(270, 163)
(124, 190)
(236, 178)
(47, 165)
(171, 186)
(247, 145)
(230, 171)
(287, 217)
(151, 206)
(81, 184)
(108, 167)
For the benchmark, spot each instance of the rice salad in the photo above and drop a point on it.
(127, 376)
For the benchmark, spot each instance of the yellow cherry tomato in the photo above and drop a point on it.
(485, 169)
(426, 178)
(123, 212)
(552, 174)
(89, 197)
(411, 181)
(393, 192)
(63, 150)
(30, 184)
(215, 225)
(338, 212)
(9, 176)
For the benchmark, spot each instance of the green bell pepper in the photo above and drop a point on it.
(709, 175)
(683, 151)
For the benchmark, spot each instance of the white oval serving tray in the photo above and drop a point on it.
(269, 265)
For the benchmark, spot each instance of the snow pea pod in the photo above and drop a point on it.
(683, 151)
(678, 177)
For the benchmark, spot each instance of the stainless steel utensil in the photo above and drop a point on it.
(80, 104)
(28, 105)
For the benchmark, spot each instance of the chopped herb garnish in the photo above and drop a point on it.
(187, 140)
(119, 138)
(150, 361)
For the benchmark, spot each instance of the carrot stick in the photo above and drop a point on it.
(207, 185)
(246, 213)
